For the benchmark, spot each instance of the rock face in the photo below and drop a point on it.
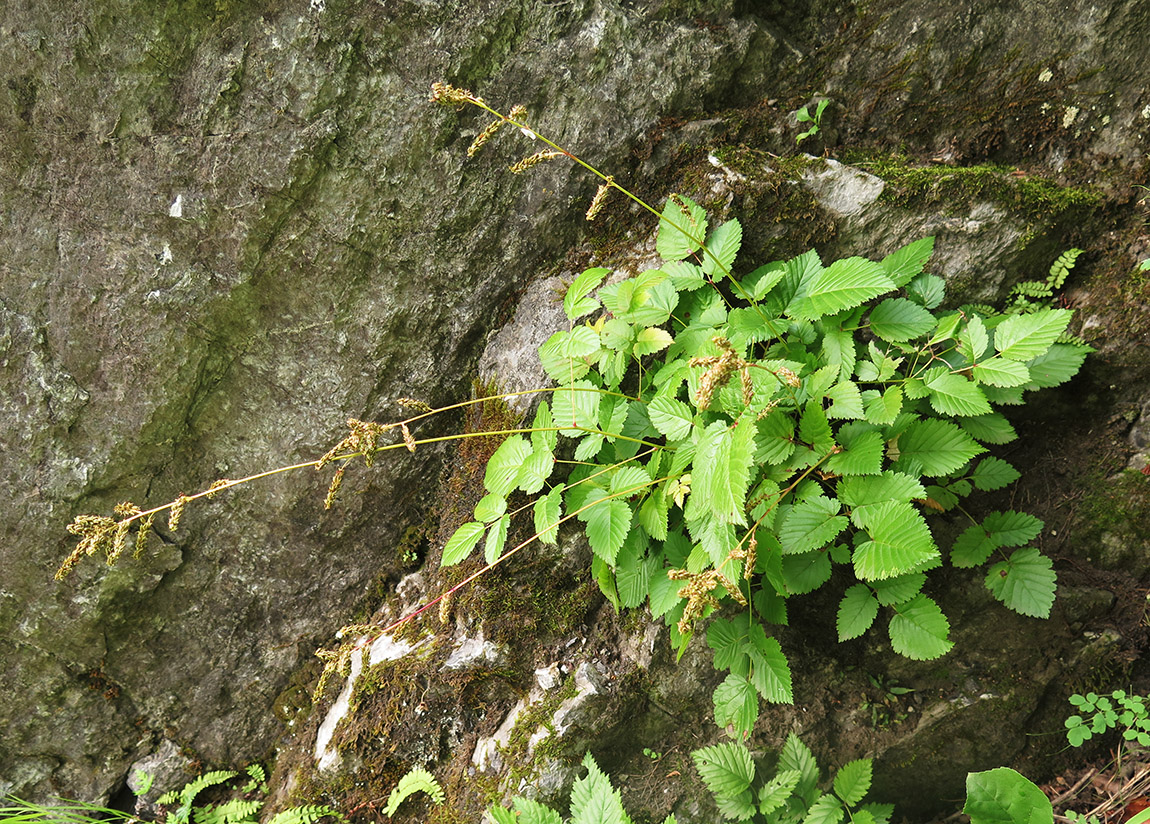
(228, 227)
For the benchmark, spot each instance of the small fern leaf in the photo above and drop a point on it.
(307, 814)
(416, 780)
(1060, 269)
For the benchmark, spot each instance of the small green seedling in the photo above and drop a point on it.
(803, 115)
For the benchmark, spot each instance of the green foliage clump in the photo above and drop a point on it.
(792, 794)
(738, 437)
(416, 780)
(244, 808)
(1028, 295)
(593, 801)
(1104, 713)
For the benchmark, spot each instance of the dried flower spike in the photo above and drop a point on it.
(176, 512)
(599, 199)
(333, 489)
(408, 440)
(448, 95)
(484, 136)
(534, 160)
(142, 534)
(411, 403)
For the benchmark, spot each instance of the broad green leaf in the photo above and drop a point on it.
(652, 340)
(502, 815)
(533, 812)
(796, 756)
(883, 409)
(1025, 337)
(899, 589)
(919, 630)
(1012, 528)
(862, 457)
(764, 279)
(681, 229)
(726, 639)
(861, 493)
(846, 402)
(900, 542)
(947, 327)
(852, 781)
(653, 514)
(1000, 396)
(546, 512)
(1025, 582)
(805, 572)
(953, 394)
(575, 406)
(904, 264)
(629, 479)
(721, 470)
(633, 571)
(608, 520)
(973, 340)
(845, 283)
(490, 508)
(685, 276)
(939, 447)
(589, 447)
(998, 371)
(647, 299)
(566, 355)
(810, 525)
(496, 539)
(460, 544)
(594, 800)
(576, 302)
(672, 418)
(814, 429)
(664, 594)
(773, 441)
(770, 672)
(775, 792)
(726, 769)
(752, 325)
(927, 291)
(839, 348)
(722, 246)
(826, 810)
(857, 611)
(1057, 366)
(972, 547)
(898, 320)
(535, 471)
(993, 428)
(1003, 796)
(993, 473)
(736, 704)
(543, 436)
(503, 467)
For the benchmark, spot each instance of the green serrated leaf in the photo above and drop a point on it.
(826, 810)
(857, 611)
(898, 320)
(993, 428)
(721, 471)
(496, 539)
(1060, 363)
(681, 229)
(862, 457)
(939, 447)
(852, 781)
(904, 264)
(927, 291)
(1001, 372)
(533, 812)
(796, 756)
(608, 521)
(490, 508)
(805, 572)
(736, 704)
(844, 284)
(900, 542)
(543, 436)
(535, 471)
(685, 276)
(576, 408)
(846, 401)
(899, 589)
(993, 473)
(973, 340)
(774, 439)
(722, 246)
(652, 340)
(1012, 528)
(726, 769)
(1025, 582)
(594, 800)
(774, 794)
(547, 513)
(883, 409)
(810, 525)
(952, 394)
(566, 354)
(770, 672)
(1025, 337)
(460, 544)
(503, 467)
(919, 630)
(576, 302)
(672, 418)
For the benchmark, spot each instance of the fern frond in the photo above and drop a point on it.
(416, 780)
(978, 309)
(1032, 289)
(230, 812)
(1060, 269)
(258, 778)
(185, 797)
(306, 814)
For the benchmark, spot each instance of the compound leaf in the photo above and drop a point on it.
(939, 447)
(853, 781)
(898, 319)
(1025, 337)
(681, 229)
(726, 769)
(460, 544)
(993, 473)
(845, 283)
(900, 542)
(576, 302)
(722, 246)
(736, 704)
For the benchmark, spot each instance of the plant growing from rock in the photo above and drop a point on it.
(733, 433)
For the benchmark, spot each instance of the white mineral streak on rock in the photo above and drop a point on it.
(470, 651)
(177, 207)
(842, 190)
(384, 648)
